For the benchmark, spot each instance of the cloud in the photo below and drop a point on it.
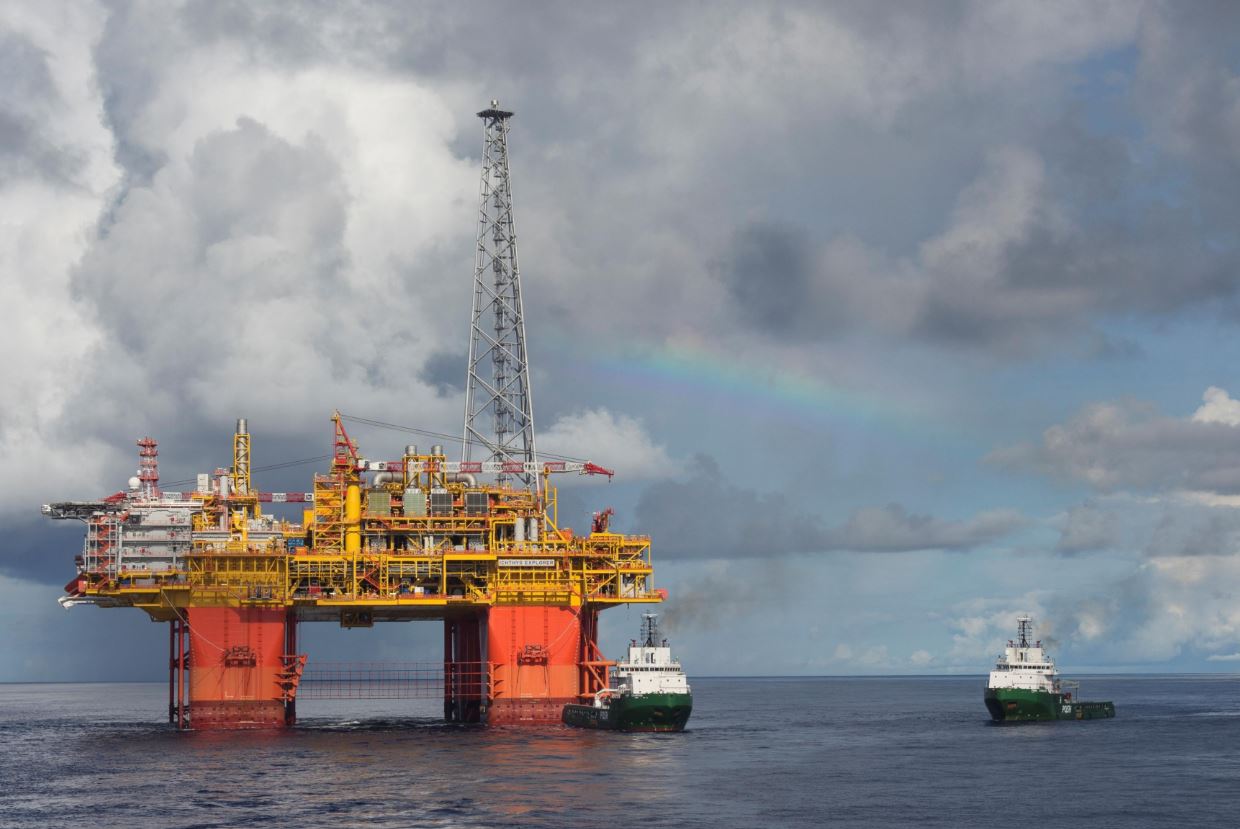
(1061, 221)
(1016, 269)
(275, 250)
(724, 590)
(1169, 607)
(1218, 407)
(617, 441)
(735, 83)
(445, 371)
(55, 174)
(862, 658)
(892, 528)
(1187, 528)
(707, 516)
(1178, 605)
(981, 627)
(280, 247)
(1088, 526)
(1167, 485)
(28, 146)
(1223, 657)
(1128, 444)
(1186, 88)
(769, 274)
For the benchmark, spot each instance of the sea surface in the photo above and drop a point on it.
(758, 752)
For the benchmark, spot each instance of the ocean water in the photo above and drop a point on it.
(842, 752)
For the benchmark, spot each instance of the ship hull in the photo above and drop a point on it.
(649, 712)
(1020, 705)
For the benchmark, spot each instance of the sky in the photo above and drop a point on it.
(895, 320)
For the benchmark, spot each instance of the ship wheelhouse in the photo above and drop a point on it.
(649, 668)
(1025, 665)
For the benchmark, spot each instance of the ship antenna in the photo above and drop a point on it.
(650, 629)
(1025, 624)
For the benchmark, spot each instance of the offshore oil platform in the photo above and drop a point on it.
(416, 538)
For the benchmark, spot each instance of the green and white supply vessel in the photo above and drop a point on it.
(648, 690)
(1025, 686)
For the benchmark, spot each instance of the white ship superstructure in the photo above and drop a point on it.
(649, 667)
(648, 690)
(1024, 665)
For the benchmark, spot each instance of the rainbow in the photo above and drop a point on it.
(687, 365)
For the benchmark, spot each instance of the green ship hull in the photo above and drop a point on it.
(649, 712)
(1019, 705)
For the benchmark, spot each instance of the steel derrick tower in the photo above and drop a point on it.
(499, 406)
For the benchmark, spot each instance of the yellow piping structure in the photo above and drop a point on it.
(415, 545)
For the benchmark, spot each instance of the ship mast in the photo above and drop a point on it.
(1025, 630)
(650, 630)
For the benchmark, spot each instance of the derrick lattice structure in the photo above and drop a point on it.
(499, 406)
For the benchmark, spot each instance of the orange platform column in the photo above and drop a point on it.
(235, 668)
(535, 655)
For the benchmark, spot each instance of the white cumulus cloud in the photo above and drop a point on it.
(616, 441)
(1218, 407)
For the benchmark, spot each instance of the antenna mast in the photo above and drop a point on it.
(497, 324)
(1025, 630)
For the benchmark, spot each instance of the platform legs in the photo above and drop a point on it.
(464, 668)
(536, 655)
(178, 668)
(236, 667)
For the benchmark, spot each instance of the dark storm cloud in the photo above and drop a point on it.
(40, 550)
(29, 145)
(769, 273)
(1186, 85)
(707, 516)
(892, 529)
(137, 41)
(286, 34)
(578, 74)
(1092, 240)
(1117, 221)
(1129, 445)
(445, 371)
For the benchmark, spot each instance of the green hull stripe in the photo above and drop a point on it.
(1020, 705)
(649, 712)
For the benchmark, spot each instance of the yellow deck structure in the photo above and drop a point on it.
(363, 553)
